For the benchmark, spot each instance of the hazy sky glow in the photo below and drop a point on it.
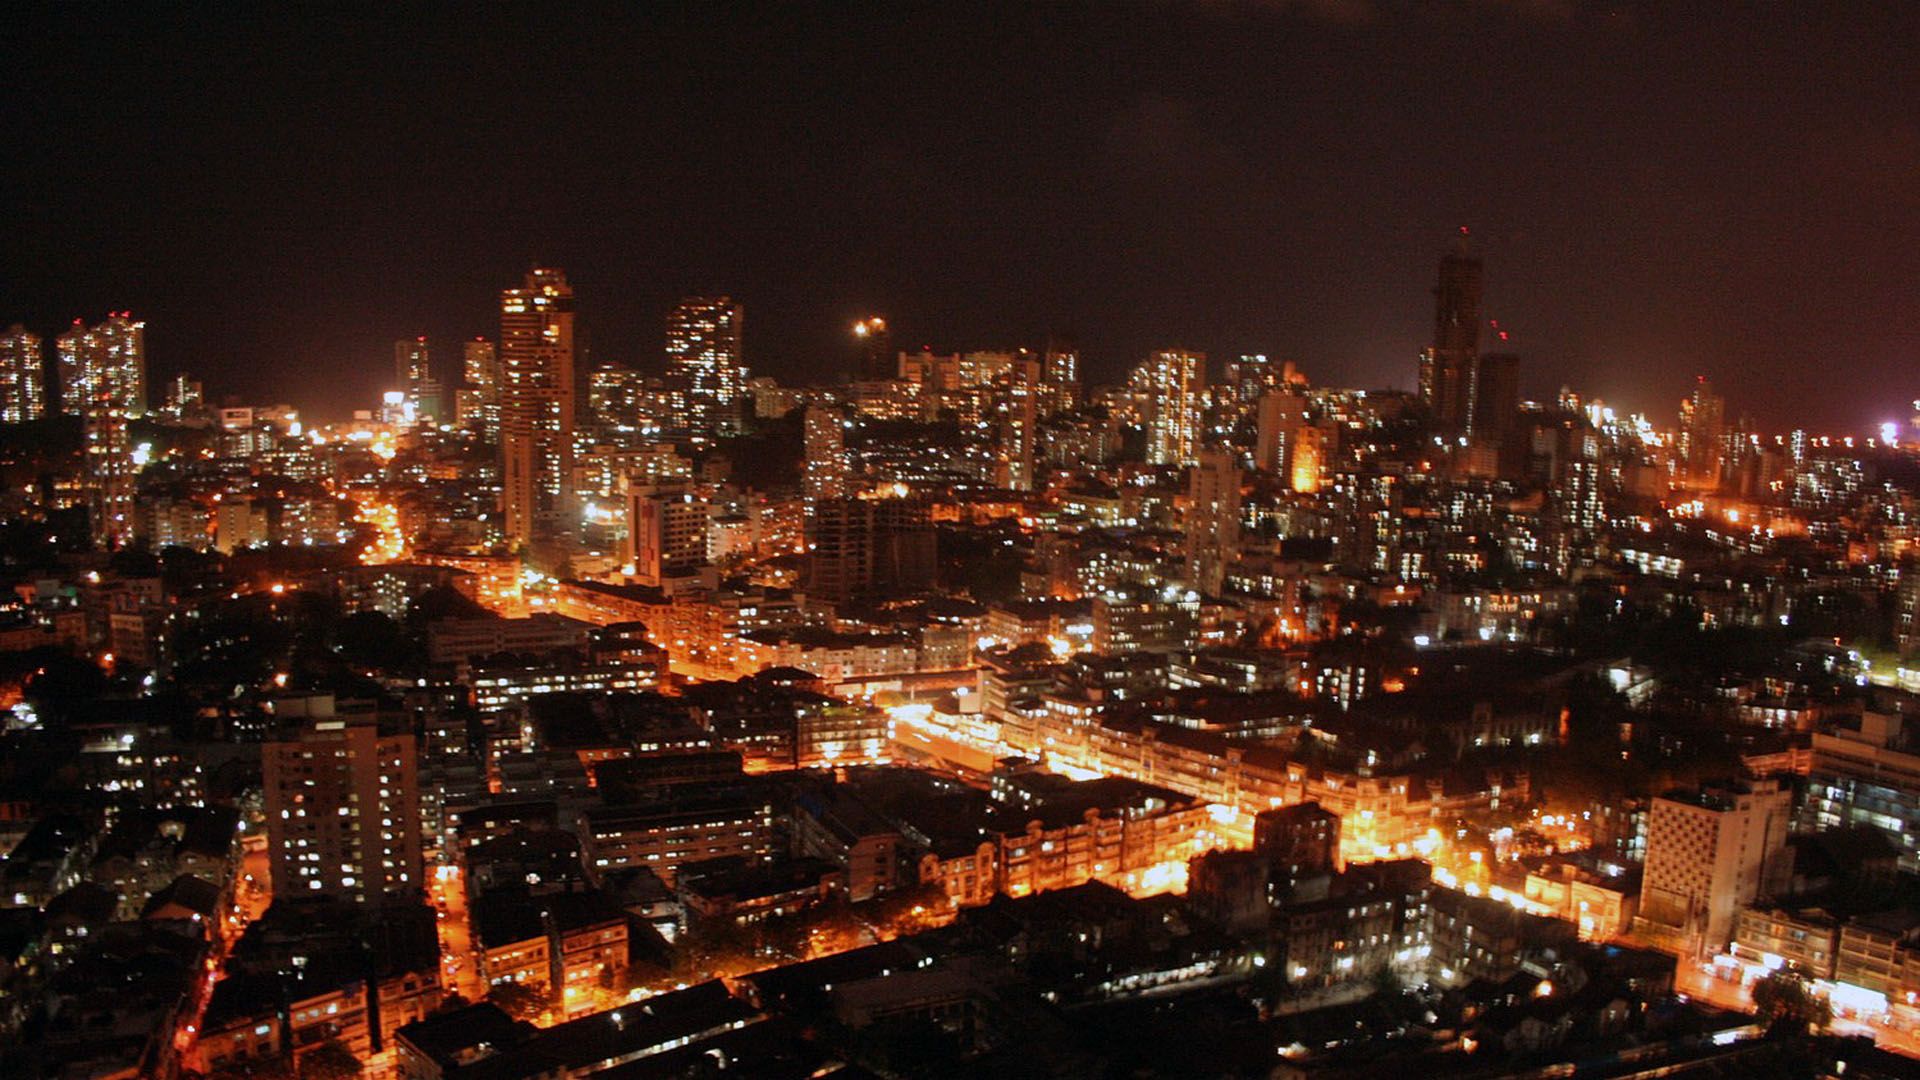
(1656, 193)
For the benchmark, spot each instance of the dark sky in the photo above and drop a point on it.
(1731, 190)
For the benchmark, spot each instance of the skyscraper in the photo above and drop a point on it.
(410, 366)
(703, 361)
(23, 377)
(343, 811)
(537, 409)
(413, 376)
(1213, 519)
(107, 363)
(1016, 412)
(1703, 430)
(479, 402)
(1173, 382)
(103, 380)
(1060, 373)
(826, 463)
(185, 396)
(1278, 418)
(863, 547)
(1493, 397)
(875, 361)
(1446, 368)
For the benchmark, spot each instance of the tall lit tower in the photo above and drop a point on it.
(1213, 519)
(1703, 430)
(1016, 413)
(479, 402)
(1173, 382)
(537, 408)
(1446, 368)
(1060, 375)
(22, 376)
(703, 359)
(413, 372)
(876, 361)
(1278, 417)
(103, 380)
(826, 463)
(410, 365)
(343, 811)
(105, 363)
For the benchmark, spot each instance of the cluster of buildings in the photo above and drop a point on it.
(557, 719)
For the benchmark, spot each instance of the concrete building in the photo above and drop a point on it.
(343, 811)
(1711, 852)
(1868, 775)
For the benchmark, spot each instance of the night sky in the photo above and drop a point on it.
(1733, 191)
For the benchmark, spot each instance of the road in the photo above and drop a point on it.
(1700, 982)
(251, 895)
(459, 963)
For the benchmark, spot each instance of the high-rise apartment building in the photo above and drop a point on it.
(826, 463)
(1703, 431)
(1016, 413)
(1255, 375)
(863, 546)
(477, 406)
(1493, 398)
(23, 377)
(103, 380)
(1060, 373)
(875, 360)
(1710, 852)
(1446, 367)
(104, 364)
(343, 811)
(185, 397)
(1869, 775)
(410, 363)
(1278, 417)
(667, 530)
(413, 376)
(537, 409)
(703, 361)
(1173, 382)
(1213, 519)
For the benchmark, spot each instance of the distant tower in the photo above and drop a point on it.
(413, 374)
(1213, 519)
(23, 376)
(1446, 367)
(1060, 373)
(479, 403)
(1016, 409)
(876, 360)
(410, 365)
(1306, 457)
(826, 463)
(1493, 398)
(103, 380)
(537, 408)
(185, 396)
(1703, 430)
(703, 360)
(1173, 382)
(1278, 418)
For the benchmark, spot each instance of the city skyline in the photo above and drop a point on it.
(1195, 538)
(1664, 240)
